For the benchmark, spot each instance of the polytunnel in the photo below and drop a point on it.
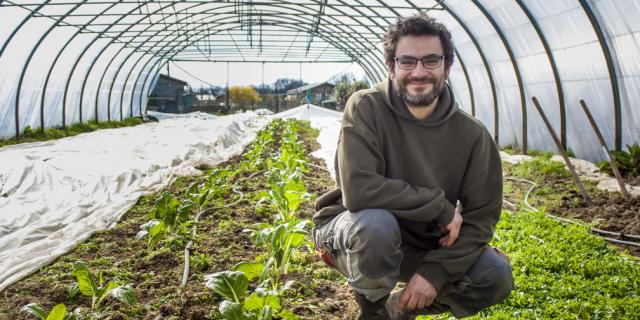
(66, 62)
(211, 215)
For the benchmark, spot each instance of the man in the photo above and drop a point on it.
(406, 155)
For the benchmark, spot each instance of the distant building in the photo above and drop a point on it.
(169, 96)
(319, 92)
(210, 103)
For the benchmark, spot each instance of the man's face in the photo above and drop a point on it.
(420, 86)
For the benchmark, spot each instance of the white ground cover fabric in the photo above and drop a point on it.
(55, 194)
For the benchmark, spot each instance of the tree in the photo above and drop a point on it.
(346, 86)
(285, 84)
(243, 97)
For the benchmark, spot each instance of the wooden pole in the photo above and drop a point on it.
(586, 197)
(612, 161)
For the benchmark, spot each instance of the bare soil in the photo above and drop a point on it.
(319, 292)
(609, 211)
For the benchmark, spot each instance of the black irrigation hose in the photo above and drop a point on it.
(605, 234)
(187, 248)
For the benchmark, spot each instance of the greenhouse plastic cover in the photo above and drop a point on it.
(55, 194)
(73, 61)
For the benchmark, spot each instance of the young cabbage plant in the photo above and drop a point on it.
(285, 195)
(281, 242)
(219, 182)
(628, 162)
(262, 304)
(198, 196)
(167, 216)
(59, 312)
(98, 291)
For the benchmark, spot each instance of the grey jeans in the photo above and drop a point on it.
(367, 248)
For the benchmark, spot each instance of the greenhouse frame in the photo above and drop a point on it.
(68, 61)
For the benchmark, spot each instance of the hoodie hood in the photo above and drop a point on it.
(446, 107)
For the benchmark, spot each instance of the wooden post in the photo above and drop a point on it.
(612, 161)
(586, 197)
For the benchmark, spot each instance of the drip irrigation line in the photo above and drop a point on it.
(194, 232)
(509, 203)
(606, 235)
(318, 167)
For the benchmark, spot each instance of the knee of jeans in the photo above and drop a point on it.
(377, 227)
(502, 281)
(377, 241)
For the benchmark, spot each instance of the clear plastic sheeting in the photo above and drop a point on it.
(55, 194)
(560, 52)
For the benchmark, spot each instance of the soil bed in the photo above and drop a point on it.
(610, 211)
(319, 292)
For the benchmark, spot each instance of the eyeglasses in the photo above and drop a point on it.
(428, 62)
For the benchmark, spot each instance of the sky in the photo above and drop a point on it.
(243, 74)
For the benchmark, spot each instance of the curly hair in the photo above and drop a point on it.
(417, 25)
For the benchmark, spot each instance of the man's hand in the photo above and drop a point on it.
(452, 229)
(418, 294)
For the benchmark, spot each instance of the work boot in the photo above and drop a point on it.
(372, 310)
(395, 314)
(392, 306)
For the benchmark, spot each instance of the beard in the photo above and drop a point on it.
(422, 99)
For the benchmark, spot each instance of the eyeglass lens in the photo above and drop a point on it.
(429, 62)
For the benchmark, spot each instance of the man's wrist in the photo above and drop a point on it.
(434, 273)
(446, 216)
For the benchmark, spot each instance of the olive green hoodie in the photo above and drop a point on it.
(418, 169)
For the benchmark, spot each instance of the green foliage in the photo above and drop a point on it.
(540, 166)
(281, 242)
(562, 271)
(59, 312)
(628, 162)
(285, 193)
(262, 304)
(539, 153)
(29, 134)
(346, 86)
(284, 175)
(262, 146)
(218, 183)
(201, 261)
(99, 290)
(166, 219)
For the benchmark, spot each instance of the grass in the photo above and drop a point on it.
(33, 135)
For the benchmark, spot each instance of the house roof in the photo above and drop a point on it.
(310, 86)
(184, 83)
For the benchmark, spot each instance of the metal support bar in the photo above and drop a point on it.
(487, 66)
(514, 63)
(562, 151)
(554, 68)
(466, 76)
(615, 90)
(4, 46)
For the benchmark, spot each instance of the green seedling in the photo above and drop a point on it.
(628, 162)
(167, 216)
(59, 312)
(281, 242)
(99, 290)
(262, 304)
